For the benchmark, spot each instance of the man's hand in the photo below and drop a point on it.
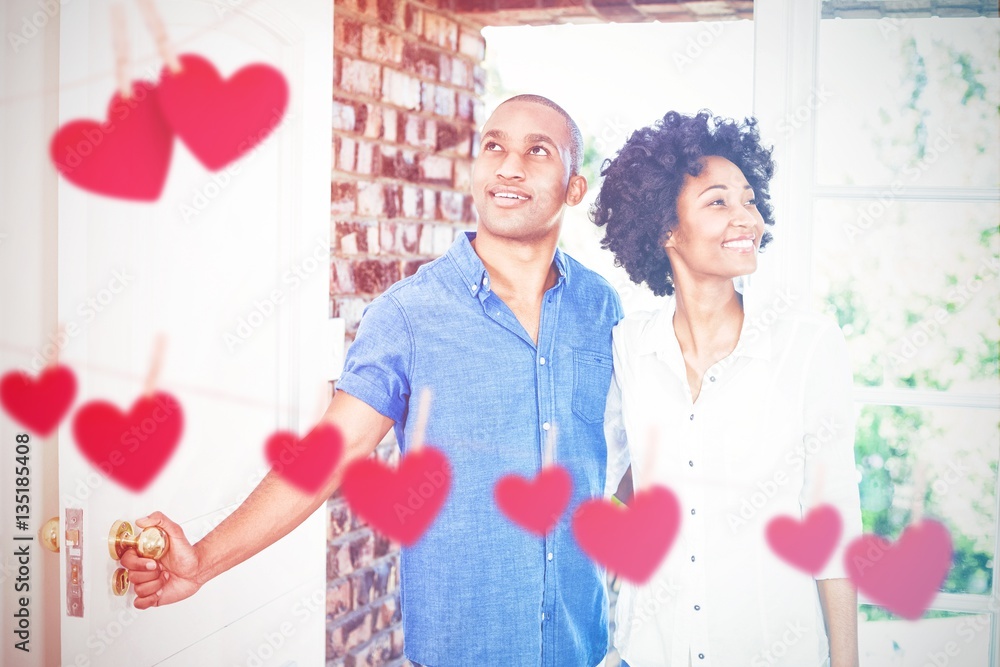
(170, 579)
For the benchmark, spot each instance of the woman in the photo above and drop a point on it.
(740, 405)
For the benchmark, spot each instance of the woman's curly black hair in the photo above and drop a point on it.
(637, 204)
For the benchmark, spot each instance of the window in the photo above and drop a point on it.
(891, 170)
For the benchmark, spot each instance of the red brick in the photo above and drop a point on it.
(447, 136)
(427, 97)
(410, 267)
(445, 66)
(399, 238)
(461, 74)
(420, 60)
(397, 642)
(430, 204)
(413, 19)
(451, 205)
(440, 31)
(389, 125)
(351, 310)
(436, 170)
(411, 127)
(348, 632)
(371, 199)
(338, 597)
(369, 160)
(373, 122)
(346, 36)
(343, 116)
(472, 44)
(343, 197)
(444, 102)
(428, 138)
(465, 107)
(338, 560)
(392, 200)
(362, 588)
(375, 653)
(401, 165)
(479, 79)
(401, 89)
(372, 276)
(342, 277)
(387, 10)
(411, 202)
(463, 175)
(345, 238)
(358, 76)
(387, 613)
(346, 154)
(381, 45)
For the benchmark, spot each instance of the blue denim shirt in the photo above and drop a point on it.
(477, 589)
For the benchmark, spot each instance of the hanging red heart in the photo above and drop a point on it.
(127, 156)
(130, 448)
(633, 540)
(220, 120)
(806, 544)
(905, 576)
(403, 503)
(537, 504)
(308, 462)
(38, 405)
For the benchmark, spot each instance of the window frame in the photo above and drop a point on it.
(786, 56)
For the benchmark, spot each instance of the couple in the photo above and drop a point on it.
(514, 338)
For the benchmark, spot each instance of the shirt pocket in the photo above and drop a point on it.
(591, 379)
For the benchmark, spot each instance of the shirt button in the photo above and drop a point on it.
(691, 417)
(692, 559)
(545, 426)
(543, 615)
(697, 607)
(711, 378)
(541, 361)
(691, 463)
(486, 281)
(692, 510)
(549, 556)
(701, 656)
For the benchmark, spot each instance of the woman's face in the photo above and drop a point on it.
(719, 227)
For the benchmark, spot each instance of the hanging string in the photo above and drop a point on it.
(156, 26)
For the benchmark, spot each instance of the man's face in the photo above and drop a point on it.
(521, 178)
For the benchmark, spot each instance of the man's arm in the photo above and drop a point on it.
(839, 600)
(272, 510)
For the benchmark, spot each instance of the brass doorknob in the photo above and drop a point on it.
(150, 542)
(48, 535)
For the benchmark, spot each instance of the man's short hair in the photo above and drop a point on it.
(576, 137)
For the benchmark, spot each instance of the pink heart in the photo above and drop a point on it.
(220, 120)
(806, 544)
(401, 503)
(633, 540)
(306, 463)
(127, 156)
(905, 576)
(38, 405)
(130, 448)
(537, 504)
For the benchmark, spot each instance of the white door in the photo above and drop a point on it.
(231, 266)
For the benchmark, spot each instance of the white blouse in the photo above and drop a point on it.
(771, 434)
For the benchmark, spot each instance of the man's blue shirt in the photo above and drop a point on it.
(477, 589)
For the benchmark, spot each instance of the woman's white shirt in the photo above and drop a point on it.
(771, 434)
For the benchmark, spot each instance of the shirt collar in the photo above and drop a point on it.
(755, 337)
(473, 271)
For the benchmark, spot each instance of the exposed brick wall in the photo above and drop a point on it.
(406, 108)
(405, 114)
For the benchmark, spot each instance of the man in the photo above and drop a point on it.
(513, 339)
